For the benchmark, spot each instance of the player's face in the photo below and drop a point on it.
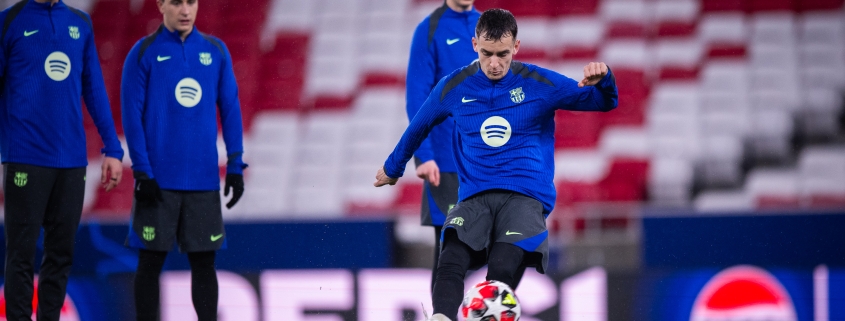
(465, 4)
(495, 56)
(179, 15)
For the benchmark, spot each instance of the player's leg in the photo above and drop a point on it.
(27, 190)
(455, 260)
(466, 235)
(204, 291)
(504, 262)
(436, 203)
(437, 231)
(61, 221)
(147, 289)
(200, 234)
(152, 230)
(517, 277)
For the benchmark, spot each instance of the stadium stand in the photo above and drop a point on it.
(725, 105)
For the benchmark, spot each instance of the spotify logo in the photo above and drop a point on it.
(57, 66)
(188, 92)
(496, 131)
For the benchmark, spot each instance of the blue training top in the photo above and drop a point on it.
(48, 61)
(504, 130)
(170, 95)
(442, 43)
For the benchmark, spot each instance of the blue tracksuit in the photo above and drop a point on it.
(504, 130)
(48, 61)
(170, 94)
(442, 43)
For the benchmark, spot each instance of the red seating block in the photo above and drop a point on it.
(626, 29)
(811, 5)
(722, 5)
(519, 8)
(676, 29)
(576, 129)
(579, 53)
(678, 73)
(726, 50)
(769, 5)
(574, 7)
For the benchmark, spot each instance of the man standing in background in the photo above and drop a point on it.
(48, 60)
(174, 83)
(442, 43)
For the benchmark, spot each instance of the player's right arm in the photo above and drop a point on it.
(433, 112)
(133, 92)
(420, 80)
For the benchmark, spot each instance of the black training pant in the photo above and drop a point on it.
(39, 197)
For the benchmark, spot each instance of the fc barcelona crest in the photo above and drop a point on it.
(517, 96)
(74, 32)
(205, 58)
(20, 179)
(149, 233)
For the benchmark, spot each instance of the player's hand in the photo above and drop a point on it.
(147, 190)
(235, 183)
(593, 73)
(429, 171)
(382, 179)
(112, 173)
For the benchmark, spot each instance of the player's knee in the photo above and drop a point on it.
(455, 257)
(201, 259)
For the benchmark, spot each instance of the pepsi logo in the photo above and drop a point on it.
(495, 131)
(57, 66)
(188, 92)
(744, 293)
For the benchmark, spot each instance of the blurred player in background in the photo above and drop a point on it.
(174, 82)
(48, 60)
(504, 131)
(442, 43)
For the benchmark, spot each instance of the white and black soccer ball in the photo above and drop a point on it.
(490, 301)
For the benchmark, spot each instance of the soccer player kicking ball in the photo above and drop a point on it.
(174, 83)
(48, 61)
(504, 149)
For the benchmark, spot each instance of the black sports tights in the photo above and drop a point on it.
(504, 261)
(203, 285)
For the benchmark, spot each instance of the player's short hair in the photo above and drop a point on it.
(495, 24)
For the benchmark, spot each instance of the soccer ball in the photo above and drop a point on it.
(490, 301)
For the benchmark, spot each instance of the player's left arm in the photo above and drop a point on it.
(97, 102)
(233, 130)
(597, 91)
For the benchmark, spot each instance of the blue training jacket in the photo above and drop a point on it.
(442, 43)
(504, 130)
(48, 61)
(170, 94)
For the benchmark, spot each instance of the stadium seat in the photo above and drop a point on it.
(724, 201)
(625, 141)
(773, 188)
(670, 182)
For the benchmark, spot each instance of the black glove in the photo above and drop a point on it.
(146, 188)
(234, 182)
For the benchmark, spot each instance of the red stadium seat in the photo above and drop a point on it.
(769, 5)
(723, 5)
(726, 51)
(626, 29)
(576, 129)
(813, 5)
(574, 7)
(676, 29)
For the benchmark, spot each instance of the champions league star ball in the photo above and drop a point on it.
(490, 301)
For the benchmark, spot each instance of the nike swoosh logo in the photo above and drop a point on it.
(452, 41)
(160, 58)
(465, 100)
(512, 233)
(214, 238)
(29, 33)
